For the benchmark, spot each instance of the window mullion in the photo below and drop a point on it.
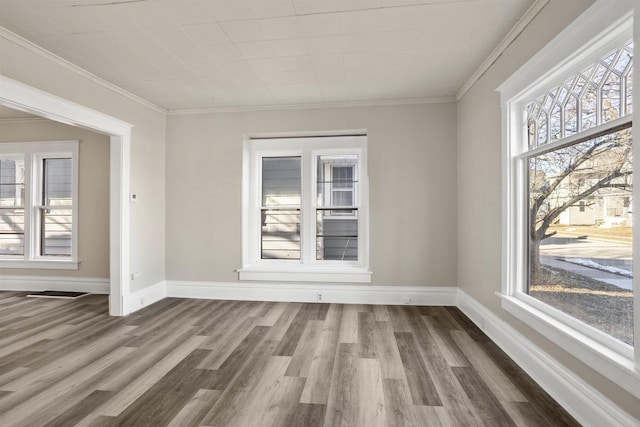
(307, 214)
(591, 133)
(256, 211)
(29, 215)
(36, 201)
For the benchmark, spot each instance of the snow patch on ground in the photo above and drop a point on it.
(592, 264)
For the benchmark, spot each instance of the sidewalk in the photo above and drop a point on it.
(603, 276)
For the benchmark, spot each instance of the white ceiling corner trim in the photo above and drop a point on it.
(351, 104)
(39, 50)
(526, 19)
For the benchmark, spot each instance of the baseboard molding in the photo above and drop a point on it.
(583, 402)
(342, 294)
(145, 297)
(54, 283)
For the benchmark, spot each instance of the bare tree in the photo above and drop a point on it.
(562, 178)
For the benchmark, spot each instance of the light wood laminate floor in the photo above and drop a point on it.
(188, 362)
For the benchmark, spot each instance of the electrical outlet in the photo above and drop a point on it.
(319, 296)
(407, 300)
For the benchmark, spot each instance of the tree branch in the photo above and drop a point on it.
(604, 182)
(577, 161)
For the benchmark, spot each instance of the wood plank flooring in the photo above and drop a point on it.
(188, 362)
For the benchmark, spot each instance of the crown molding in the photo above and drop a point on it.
(348, 104)
(39, 50)
(513, 34)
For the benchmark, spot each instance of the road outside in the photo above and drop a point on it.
(559, 251)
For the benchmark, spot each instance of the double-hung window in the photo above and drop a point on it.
(38, 205)
(306, 209)
(568, 191)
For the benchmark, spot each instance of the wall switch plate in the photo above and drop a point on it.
(133, 197)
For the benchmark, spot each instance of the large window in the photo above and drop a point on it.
(569, 190)
(306, 209)
(38, 205)
(579, 153)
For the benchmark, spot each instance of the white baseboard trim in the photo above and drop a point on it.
(54, 283)
(583, 402)
(321, 292)
(144, 297)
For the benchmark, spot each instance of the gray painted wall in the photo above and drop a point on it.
(412, 179)
(93, 180)
(479, 189)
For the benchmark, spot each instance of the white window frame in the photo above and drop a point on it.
(605, 26)
(307, 268)
(34, 153)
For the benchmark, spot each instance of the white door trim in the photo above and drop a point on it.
(25, 98)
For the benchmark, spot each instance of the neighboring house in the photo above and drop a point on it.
(603, 210)
(609, 205)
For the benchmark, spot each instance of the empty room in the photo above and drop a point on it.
(318, 213)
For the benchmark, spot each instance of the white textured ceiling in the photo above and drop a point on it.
(190, 54)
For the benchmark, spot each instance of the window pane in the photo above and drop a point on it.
(281, 181)
(11, 231)
(571, 116)
(580, 233)
(56, 227)
(337, 180)
(555, 123)
(342, 177)
(11, 203)
(542, 129)
(629, 94)
(58, 182)
(589, 107)
(342, 198)
(56, 230)
(611, 98)
(336, 236)
(11, 182)
(280, 234)
(626, 56)
(281, 187)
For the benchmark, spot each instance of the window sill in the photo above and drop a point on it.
(615, 362)
(43, 264)
(334, 275)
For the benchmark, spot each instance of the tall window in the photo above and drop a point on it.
(579, 147)
(306, 209)
(38, 199)
(569, 192)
